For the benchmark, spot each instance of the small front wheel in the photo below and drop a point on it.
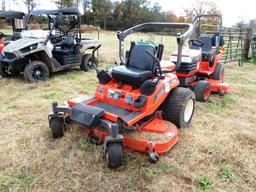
(57, 126)
(153, 157)
(114, 155)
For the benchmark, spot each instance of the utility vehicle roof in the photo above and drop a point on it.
(11, 15)
(70, 10)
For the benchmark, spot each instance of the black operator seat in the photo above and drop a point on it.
(67, 46)
(207, 46)
(139, 65)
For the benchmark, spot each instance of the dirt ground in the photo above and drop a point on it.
(216, 153)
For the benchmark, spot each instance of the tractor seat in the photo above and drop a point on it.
(130, 75)
(65, 47)
(139, 66)
(207, 47)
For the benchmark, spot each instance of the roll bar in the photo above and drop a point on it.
(181, 38)
(219, 28)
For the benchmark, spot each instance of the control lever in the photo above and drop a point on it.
(157, 61)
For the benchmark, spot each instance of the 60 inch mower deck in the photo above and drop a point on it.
(158, 136)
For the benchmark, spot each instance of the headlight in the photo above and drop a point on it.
(29, 48)
(183, 59)
(9, 55)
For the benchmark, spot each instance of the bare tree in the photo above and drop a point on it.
(30, 4)
(77, 3)
(3, 5)
(201, 7)
(65, 3)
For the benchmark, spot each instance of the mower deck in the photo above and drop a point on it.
(218, 86)
(157, 136)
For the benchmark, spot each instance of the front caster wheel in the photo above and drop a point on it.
(114, 155)
(57, 126)
(221, 93)
(153, 157)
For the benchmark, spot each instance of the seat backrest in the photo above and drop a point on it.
(68, 42)
(139, 58)
(216, 37)
(207, 40)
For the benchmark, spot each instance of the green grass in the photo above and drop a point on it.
(226, 172)
(159, 168)
(148, 172)
(217, 107)
(213, 149)
(204, 183)
(17, 180)
(23, 143)
(222, 103)
(166, 168)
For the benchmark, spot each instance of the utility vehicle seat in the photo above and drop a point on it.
(65, 47)
(207, 47)
(139, 66)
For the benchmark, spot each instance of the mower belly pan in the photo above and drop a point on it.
(159, 136)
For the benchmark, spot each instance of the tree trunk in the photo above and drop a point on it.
(105, 21)
(247, 42)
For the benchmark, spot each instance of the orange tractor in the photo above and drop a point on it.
(137, 105)
(202, 68)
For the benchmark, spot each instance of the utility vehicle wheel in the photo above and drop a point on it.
(57, 126)
(6, 72)
(36, 71)
(202, 91)
(114, 155)
(179, 107)
(88, 63)
(219, 72)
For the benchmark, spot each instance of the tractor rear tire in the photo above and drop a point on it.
(179, 107)
(36, 71)
(219, 72)
(114, 155)
(202, 91)
(87, 63)
(57, 126)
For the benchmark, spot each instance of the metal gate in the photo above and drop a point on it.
(234, 42)
(253, 47)
(234, 45)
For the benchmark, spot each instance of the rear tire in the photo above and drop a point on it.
(179, 107)
(87, 62)
(202, 91)
(114, 155)
(36, 71)
(219, 72)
